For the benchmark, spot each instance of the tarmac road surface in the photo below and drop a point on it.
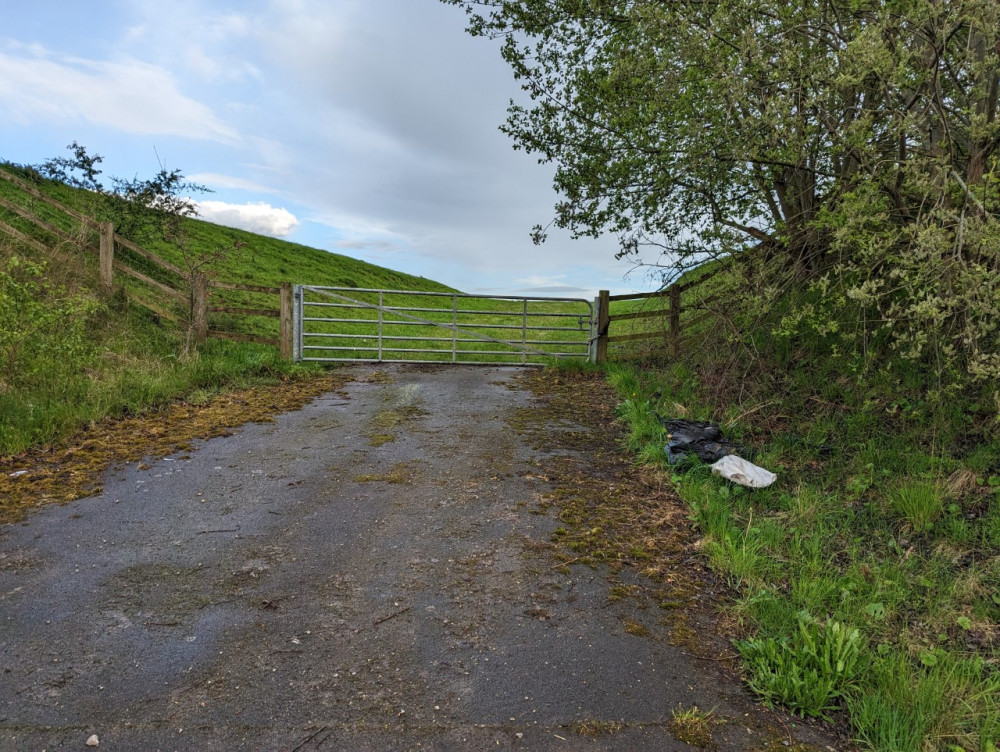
(362, 574)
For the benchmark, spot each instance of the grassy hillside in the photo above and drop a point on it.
(247, 257)
(68, 357)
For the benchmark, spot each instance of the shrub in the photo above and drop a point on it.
(42, 326)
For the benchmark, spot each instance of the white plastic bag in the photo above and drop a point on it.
(738, 470)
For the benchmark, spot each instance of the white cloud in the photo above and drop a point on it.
(273, 156)
(256, 217)
(369, 246)
(195, 37)
(361, 231)
(127, 95)
(536, 280)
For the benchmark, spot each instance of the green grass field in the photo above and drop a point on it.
(237, 257)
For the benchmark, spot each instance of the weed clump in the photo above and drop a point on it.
(807, 673)
(692, 726)
(918, 503)
(596, 728)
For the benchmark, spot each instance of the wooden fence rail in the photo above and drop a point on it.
(22, 238)
(196, 287)
(672, 331)
(35, 193)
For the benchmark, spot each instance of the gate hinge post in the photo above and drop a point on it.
(297, 323)
(285, 344)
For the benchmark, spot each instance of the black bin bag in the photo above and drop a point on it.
(704, 440)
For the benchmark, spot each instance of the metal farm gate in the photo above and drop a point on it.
(374, 326)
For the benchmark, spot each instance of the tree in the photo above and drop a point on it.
(850, 145)
(80, 171)
(142, 210)
(154, 209)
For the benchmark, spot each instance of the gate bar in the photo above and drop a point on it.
(460, 333)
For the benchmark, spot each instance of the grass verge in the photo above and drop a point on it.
(868, 576)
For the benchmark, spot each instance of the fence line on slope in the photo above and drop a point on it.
(180, 295)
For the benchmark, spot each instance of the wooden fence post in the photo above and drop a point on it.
(285, 325)
(675, 320)
(199, 306)
(603, 322)
(107, 258)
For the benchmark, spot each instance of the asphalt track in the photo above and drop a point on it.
(362, 574)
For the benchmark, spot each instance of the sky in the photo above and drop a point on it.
(364, 127)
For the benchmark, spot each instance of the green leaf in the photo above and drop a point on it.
(876, 610)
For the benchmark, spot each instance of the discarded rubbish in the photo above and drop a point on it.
(18, 473)
(93, 741)
(739, 470)
(704, 440)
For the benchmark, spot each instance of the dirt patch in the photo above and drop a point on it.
(400, 405)
(614, 513)
(74, 471)
(156, 594)
(402, 472)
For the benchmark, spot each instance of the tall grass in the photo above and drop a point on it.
(90, 362)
